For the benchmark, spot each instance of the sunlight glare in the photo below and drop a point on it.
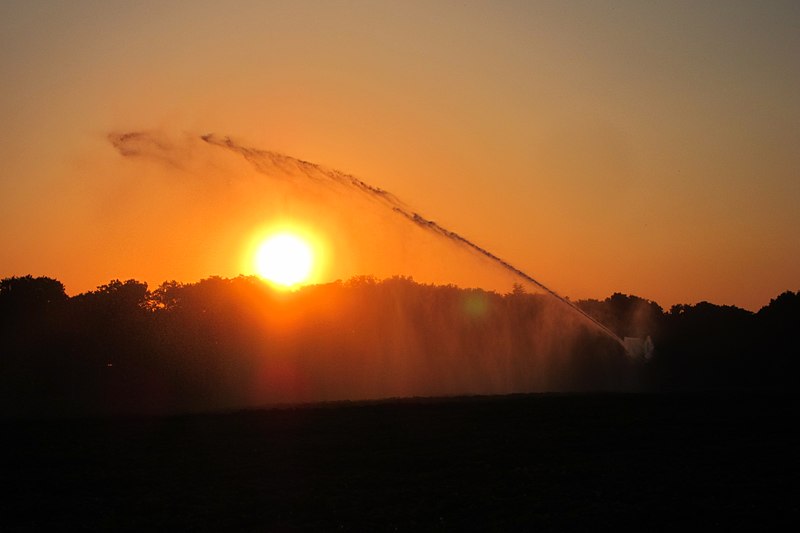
(284, 259)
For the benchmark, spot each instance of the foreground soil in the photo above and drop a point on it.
(498, 463)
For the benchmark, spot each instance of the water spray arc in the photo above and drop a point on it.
(433, 226)
(261, 160)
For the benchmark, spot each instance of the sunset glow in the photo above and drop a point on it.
(284, 259)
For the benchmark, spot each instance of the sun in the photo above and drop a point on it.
(284, 259)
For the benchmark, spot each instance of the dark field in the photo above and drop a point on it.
(529, 461)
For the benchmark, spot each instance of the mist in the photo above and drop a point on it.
(399, 305)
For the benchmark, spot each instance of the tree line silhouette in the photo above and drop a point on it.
(232, 343)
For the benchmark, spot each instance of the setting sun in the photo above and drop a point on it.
(284, 259)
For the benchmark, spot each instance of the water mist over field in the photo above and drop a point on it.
(363, 339)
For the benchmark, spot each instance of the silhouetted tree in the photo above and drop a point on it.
(22, 295)
(779, 322)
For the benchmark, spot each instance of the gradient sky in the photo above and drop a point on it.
(649, 148)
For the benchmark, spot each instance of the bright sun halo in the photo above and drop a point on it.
(284, 259)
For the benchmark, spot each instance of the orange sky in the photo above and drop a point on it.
(650, 150)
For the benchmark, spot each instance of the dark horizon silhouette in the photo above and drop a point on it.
(237, 343)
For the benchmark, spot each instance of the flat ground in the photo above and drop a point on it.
(544, 461)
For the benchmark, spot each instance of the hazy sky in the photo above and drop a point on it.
(649, 148)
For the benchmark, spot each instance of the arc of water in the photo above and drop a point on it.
(257, 157)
